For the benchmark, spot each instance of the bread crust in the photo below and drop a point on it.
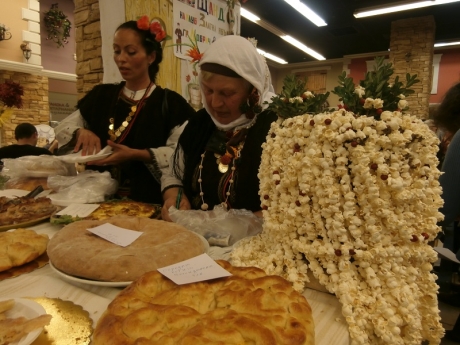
(248, 307)
(20, 246)
(78, 252)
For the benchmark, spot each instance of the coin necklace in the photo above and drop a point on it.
(115, 134)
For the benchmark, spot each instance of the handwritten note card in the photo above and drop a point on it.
(78, 210)
(115, 234)
(196, 269)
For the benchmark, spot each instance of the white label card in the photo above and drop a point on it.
(78, 210)
(115, 234)
(199, 268)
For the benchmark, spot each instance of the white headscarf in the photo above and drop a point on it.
(238, 54)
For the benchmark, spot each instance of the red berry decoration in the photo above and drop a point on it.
(296, 148)
(265, 207)
(338, 252)
(425, 235)
(312, 123)
(328, 121)
(277, 182)
(298, 203)
(379, 111)
(266, 197)
(374, 166)
(276, 172)
(362, 100)
(351, 252)
(384, 177)
(354, 143)
(414, 238)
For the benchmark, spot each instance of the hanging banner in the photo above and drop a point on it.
(198, 23)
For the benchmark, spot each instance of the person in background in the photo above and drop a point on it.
(27, 136)
(447, 117)
(219, 152)
(138, 119)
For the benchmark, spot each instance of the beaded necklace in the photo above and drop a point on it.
(229, 180)
(232, 154)
(123, 130)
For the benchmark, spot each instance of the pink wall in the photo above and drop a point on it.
(358, 69)
(53, 58)
(449, 72)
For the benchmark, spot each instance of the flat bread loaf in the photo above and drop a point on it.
(20, 246)
(248, 307)
(78, 252)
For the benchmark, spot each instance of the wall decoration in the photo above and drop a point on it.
(57, 26)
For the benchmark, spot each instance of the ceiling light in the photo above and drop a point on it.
(303, 47)
(399, 6)
(306, 12)
(445, 44)
(271, 56)
(248, 15)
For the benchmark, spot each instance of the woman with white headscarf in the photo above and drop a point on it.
(218, 155)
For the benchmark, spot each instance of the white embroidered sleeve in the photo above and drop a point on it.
(161, 155)
(168, 179)
(64, 131)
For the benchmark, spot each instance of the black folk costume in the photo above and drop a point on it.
(236, 183)
(154, 123)
(218, 163)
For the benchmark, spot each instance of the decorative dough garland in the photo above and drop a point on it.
(355, 200)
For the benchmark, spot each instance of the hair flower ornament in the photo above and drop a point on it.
(155, 28)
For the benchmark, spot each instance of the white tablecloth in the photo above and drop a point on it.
(330, 325)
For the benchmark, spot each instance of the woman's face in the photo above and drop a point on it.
(224, 95)
(130, 56)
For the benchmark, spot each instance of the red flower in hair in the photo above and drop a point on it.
(143, 23)
(160, 36)
(155, 28)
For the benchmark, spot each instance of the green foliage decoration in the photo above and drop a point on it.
(57, 26)
(375, 93)
(295, 100)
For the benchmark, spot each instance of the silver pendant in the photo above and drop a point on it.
(223, 168)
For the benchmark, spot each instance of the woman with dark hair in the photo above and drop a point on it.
(218, 156)
(138, 119)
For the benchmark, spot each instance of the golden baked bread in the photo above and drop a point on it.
(78, 252)
(23, 209)
(27, 183)
(20, 246)
(248, 307)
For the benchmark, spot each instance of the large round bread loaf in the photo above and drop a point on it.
(248, 307)
(76, 251)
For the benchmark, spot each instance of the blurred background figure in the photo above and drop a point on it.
(27, 136)
(447, 118)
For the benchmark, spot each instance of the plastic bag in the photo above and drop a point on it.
(87, 187)
(36, 166)
(220, 227)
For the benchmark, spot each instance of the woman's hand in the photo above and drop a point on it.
(88, 142)
(170, 198)
(122, 153)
